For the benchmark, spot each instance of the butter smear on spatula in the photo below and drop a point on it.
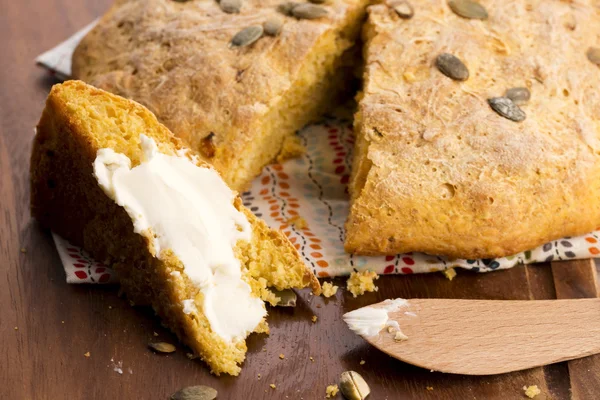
(369, 321)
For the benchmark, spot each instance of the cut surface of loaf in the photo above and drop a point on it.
(235, 105)
(80, 122)
(436, 170)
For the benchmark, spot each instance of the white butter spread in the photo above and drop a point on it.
(368, 321)
(190, 211)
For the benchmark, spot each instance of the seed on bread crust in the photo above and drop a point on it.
(468, 9)
(507, 109)
(518, 95)
(231, 6)
(452, 67)
(403, 9)
(308, 11)
(247, 36)
(273, 26)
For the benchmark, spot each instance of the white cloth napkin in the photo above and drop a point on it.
(307, 199)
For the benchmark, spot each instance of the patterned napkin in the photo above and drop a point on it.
(307, 199)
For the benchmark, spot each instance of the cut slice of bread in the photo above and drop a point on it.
(437, 170)
(78, 121)
(235, 105)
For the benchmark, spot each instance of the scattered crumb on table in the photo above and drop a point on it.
(87, 354)
(155, 334)
(23, 250)
(430, 388)
(400, 336)
(329, 289)
(531, 391)
(314, 318)
(282, 356)
(298, 222)
(16, 328)
(331, 391)
(361, 282)
(272, 385)
(362, 362)
(311, 359)
(450, 273)
(259, 377)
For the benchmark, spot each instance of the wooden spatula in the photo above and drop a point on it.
(481, 337)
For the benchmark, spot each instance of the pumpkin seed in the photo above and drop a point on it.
(272, 26)
(162, 347)
(288, 297)
(518, 95)
(452, 67)
(247, 36)
(593, 54)
(308, 11)
(231, 6)
(353, 386)
(468, 9)
(403, 9)
(199, 392)
(287, 7)
(507, 109)
(318, 1)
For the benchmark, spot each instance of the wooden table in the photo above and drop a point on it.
(47, 326)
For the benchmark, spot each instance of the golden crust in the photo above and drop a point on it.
(77, 121)
(437, 171)
(174, 58)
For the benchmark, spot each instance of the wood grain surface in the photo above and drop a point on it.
(46, 326)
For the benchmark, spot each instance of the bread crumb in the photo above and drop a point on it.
(191, 356)
(110, 308)
(311, 359)
(430, 388)
(282, 356)
(23, 250)
(298, 222)
(361, 282)
(155, 334)
(62, 322)
(16, 328)
(259, 377)
(328, 289)
(390, 329)
(450, 273)
(531, 391)
(314, 318)
(331, 391)
(87, 354)
(272, 385)
(409, 77)
(292, 148)
(400, 336)
(362, 362)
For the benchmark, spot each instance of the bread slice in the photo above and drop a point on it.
(437, 170)
(66, 197)
(235, 105)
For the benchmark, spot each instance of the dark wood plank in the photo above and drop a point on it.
(576, 280)
(44, 358)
